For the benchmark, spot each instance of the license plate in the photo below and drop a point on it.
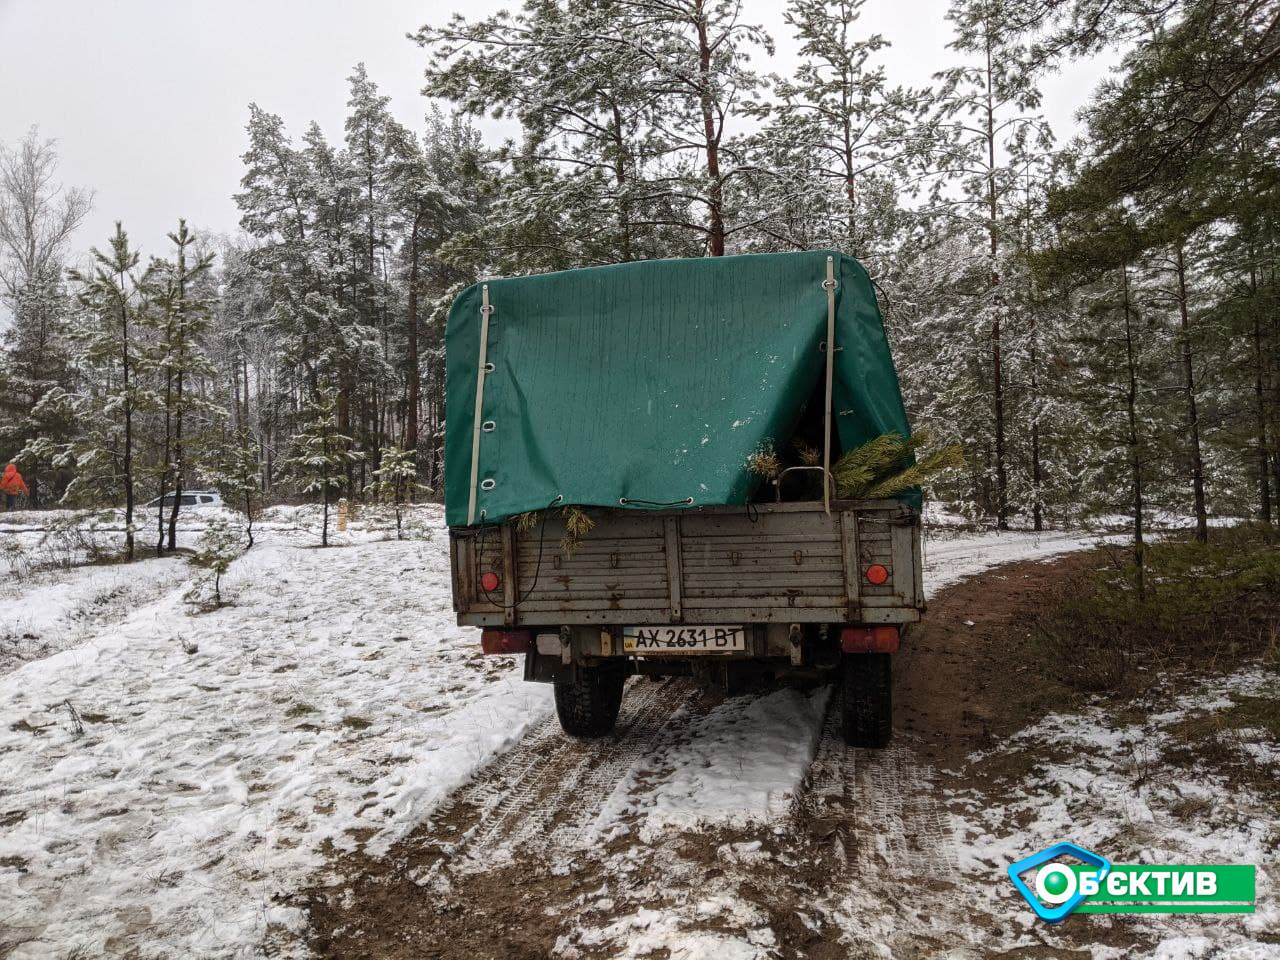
(683, 639)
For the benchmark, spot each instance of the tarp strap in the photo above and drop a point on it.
(482, 368)
(830, 286)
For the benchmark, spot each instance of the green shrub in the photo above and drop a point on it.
(1208, 604)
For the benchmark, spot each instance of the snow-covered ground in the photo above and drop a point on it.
(1102, 783)
(745, 759)
(52, 609)
(170, 773)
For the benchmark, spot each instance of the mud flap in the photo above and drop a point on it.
(541, 668)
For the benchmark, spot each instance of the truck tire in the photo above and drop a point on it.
(588, 705)
(866, 682)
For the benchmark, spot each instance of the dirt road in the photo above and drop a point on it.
(638, 842)
(742, 828)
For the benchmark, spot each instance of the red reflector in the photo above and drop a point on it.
(869, 639)
(506, 641)
(877, 574)
(490, 580)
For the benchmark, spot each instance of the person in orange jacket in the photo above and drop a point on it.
(12, 486)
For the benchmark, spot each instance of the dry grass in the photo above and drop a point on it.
(765, 462)
(1207, 606)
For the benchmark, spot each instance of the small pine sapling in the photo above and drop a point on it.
(395, 482)
(235, 470)
(217, 547)
(321, 454)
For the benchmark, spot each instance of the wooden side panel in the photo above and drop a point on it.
(671, 550)
(851, 569)
(789, 563)
(903, 575)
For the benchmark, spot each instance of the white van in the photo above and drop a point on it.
(189, 498)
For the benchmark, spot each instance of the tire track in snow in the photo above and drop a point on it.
(884, 798)
(549, 789)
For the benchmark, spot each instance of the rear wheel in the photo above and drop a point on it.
(588, 705)
(867, 689)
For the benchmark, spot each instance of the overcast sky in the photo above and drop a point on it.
(148, 98)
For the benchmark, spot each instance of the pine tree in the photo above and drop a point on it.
(107, 339)
(395, 483)
(233, 467)
(989, 107)
(840, 143)
(180, 315)
(217, 548)
(321, 456)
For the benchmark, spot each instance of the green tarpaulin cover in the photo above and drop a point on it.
(654, 382)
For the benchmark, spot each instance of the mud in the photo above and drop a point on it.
(863, 863)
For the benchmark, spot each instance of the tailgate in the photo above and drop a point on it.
(774, 563)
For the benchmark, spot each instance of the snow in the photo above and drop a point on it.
(744, 760)
(952, 557)
(50, 610)
(170, 776)
(1107, 789)
(171, 773)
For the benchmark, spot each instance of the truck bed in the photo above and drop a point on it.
(764, 563)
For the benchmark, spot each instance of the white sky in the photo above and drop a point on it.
(148, 98)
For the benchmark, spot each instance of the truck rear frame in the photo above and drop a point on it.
(807, 585)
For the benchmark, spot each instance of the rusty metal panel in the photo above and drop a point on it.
(510, 580)
(917, 561)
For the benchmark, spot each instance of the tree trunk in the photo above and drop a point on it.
(128, 425)
(1193, 418)
(620, 178)
(413, 404)
(179, 405)
(715, 188)
(1135, 452)
(1033, 362)
(997, 366)
(1260, 406)
(168, 425)
(179, 467)
(248, 513)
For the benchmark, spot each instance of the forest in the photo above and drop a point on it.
(1094, 320)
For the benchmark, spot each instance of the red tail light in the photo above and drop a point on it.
(506, 641)
(869, 639)
(490, 581)
(877, 574)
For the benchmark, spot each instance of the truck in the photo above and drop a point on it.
(640, 481)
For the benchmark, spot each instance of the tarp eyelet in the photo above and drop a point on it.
(488, 484)
(488, 426)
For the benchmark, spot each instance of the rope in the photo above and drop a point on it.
(686, 502)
